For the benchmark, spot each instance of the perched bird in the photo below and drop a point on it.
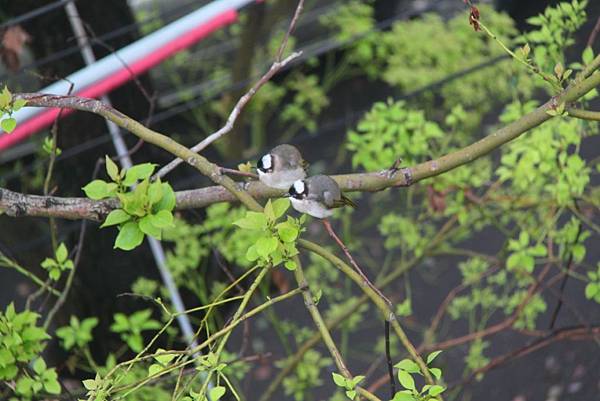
(281, 167)
(318, 196)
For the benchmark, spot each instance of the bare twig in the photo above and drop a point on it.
(594, 33)
(563, 284)
(237, 109)
(575, 333)
(496, 328)
(337, 239)
(277, 66)
(53, 154)
(231, 171)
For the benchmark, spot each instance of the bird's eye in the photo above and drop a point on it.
(298, 190)
(265, 164)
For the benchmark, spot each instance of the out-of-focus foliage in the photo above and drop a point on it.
(532, 195)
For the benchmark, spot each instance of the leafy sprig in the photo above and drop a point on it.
(145, 210)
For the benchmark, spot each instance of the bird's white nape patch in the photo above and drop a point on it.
(267, 162)
(299, 187)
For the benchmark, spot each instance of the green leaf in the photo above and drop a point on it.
(216, 393)
(357, 379)
(115, 217)
(155, 192)
(9, 124)
(287, 231)
(406, 380)
(251, 253)
(338, 379)
(48, 263)
(112, 169)
(591, 290)
(436, 372)
(154, 369)
(432, 356)
(168, 200)
(252, 221)
(145, 224)
(19, 104)
(89, 384)
(138, 172)
(39, 366)
(268, 211)
(435, 390)
(135, 342)
(54, 274)
(6, 357)
(408, 365)
(132, 204)
(404, 396)
(61, 253)
(52, 386)
(290, 265)
(162, 219)
(33, 334)
(5, 98)
(280, 206)
(165, 358)
(130, 236)
(24, 386)
(351, 394)
(266, 246)
(96, 190)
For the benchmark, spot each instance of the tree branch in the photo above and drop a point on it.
(77, 208)
(584, 114)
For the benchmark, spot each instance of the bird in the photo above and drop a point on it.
(318, 196)
(281, 167)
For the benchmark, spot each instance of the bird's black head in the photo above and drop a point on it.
(298, 190)
(265, 164)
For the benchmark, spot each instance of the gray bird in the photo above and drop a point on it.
(281, 167)
(318, 196)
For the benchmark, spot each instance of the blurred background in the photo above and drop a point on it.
(354, 53)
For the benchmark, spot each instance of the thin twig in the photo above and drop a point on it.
(344, 248)
(577, 333)
(584, 114)
(277, 66)
(388, 357)
(53, 154)
(65, 292)
(9, 263)
(594, 33)
(238, 172)
(237, 109)
(563, 284)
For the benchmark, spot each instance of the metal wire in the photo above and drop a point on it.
(34, 13)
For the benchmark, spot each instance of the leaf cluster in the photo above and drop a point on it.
(145, 210)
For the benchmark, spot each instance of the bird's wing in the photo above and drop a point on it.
(344, 201)
(332, 202)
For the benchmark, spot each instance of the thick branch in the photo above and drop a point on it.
(229, 190)
(211, 170)
(16, 205)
